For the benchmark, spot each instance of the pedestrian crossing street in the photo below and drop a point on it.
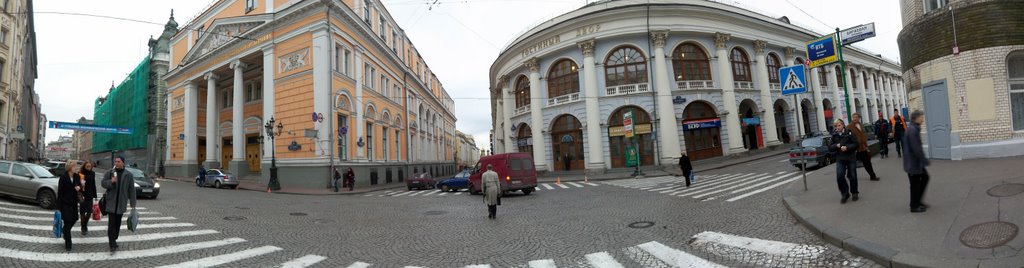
(541, 187)
(729, 187)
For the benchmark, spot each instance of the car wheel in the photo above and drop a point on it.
(198, 184)
(46, 199)
(444, 188)
(472, 190)
(527, 191)
(216, 184)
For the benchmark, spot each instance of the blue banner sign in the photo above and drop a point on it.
(822, 51)
(702, 123)
(752, 121)
(92, 128)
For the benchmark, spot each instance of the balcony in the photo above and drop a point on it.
(775, 86)
(574, 97)
(747, 85)
(695, 84)
(522, 110)
(628, 89)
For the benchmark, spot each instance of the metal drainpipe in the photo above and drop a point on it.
(408, 134)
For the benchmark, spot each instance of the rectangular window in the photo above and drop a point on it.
(931, 5)
(3, 36)
(226, 98)
(394, 40)
(384, 139)
(346, 61)
(383, 85)
(336, 63)
(343, 139)
(2, 69)
(250, 5)
(366, 11)
(382, 28)
(369, 141)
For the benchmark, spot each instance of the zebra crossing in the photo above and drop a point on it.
(729, 187)
(541, 187)
(26, 234)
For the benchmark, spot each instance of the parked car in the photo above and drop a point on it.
(55, 167)
(454, 184)
(815, 150)
(420, 181)
(218, 179)
(145, 187)
(515, 171)
(29, 182)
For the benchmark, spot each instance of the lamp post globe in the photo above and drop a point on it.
(274, 184)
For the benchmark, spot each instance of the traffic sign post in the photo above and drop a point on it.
(842, 66)
(794, 83)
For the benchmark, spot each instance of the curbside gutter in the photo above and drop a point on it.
(261, 189)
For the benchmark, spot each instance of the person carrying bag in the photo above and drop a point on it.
(120, 186)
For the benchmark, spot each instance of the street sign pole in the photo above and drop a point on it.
(800, 140)
(842, 65)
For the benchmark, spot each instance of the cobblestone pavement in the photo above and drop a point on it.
(590, 226)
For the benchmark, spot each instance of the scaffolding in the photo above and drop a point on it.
(125, 106)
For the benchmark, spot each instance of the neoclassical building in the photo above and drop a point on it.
(969, 81)
(696, 76)
(342, 82)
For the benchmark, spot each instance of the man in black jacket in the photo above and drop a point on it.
(844, 145)
(882, 133)
(684, 164)
(915, 162)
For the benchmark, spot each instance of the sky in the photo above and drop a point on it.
(79, 56)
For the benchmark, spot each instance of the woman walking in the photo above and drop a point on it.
(87, 179)
(68, 196)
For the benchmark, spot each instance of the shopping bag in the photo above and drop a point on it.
(693, 177)
(133, 220)
(103, 205)
(56, 224)
(96, 211)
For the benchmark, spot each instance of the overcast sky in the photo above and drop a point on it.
(80, 56)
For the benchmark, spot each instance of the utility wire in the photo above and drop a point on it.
(201, 31)
(808, 14)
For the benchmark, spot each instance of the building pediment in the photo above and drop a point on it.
(225, 31)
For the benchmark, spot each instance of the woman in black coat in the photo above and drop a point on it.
(68, 189)
(87, 179)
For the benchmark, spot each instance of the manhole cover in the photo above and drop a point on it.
(435, 212)
(641, 224)
(988, 234)
(323, 221)
(1004, 190)
(297, 214)
(242, 208)
(234, 218)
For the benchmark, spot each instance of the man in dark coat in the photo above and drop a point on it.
(899, 125)
(882, 133)
(845, 148)
(862, 149)
(684, 164)
(915, 162)
(120, 185)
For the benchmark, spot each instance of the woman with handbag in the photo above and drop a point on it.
(69, 195)
(87, 179)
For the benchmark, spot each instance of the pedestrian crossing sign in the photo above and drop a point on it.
(793, 80)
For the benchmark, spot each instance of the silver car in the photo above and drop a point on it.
(28, 181)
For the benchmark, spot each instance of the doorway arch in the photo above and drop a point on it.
(702, 131)
(781, 109)
(567, 143)
(618, 143)
(750, 123)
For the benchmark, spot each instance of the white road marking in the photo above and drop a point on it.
(574, 184)
(548, 186)
(562, 185)
(478, 266)
(589, 183)
(226, 258)
(403, 193)
(457, 193)
(17, 205)
(415, 193)
(442, 194)
(780, 173)
(784, 160)
(739, 179)
(741, 184)
(764, 182)
(602, 260)
(358, 264)
(708, 183)
(776, 248)
(119, 255)
(50, 212)
(50, 219)
(542, 263)
(429, 192)
(103, 239)
(305, 261)
(49, 227)
(765, 188)
(675, 257)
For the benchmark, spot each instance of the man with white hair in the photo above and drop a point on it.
(491, 188)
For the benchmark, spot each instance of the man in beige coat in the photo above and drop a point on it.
(491, 187)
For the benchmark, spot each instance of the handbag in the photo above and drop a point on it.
(103, 204)
(56, 224)
(133, 220)
(693, 177)
(96, 211)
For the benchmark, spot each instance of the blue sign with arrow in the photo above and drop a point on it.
(793, 80)
(92, 128)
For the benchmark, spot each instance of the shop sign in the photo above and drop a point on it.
(621, 131)
(702, 123)
(752, 121)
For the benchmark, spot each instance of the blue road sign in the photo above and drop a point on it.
(793, 80)
(822, 51)
(92, 128)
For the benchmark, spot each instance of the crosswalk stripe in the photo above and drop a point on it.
(715, 181)
(602, 260)
(733, 186)
(226, 258)
(764, 182)
(403, 193)
(478, 266)
(304, 261)
(442, 194)
(103, 239)
(429, 193)
(590, 183)
(17, 205)
(30, 218)
(775, 248)
(457, 193)
(714, 185)
(562, 185)
(120, 255)
(415, 193)
(766, 188)
(50, 212)
(49, 227)
(574, 184)
(542, 263)
(780, 173)
(675, 258)
(752, 178)
(548, 186)
(358, 264)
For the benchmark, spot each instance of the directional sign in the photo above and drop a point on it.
(92, 128)
(857, 33)
(627, 123)
(793, 80)
(822, 51)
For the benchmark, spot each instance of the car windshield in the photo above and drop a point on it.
(811, 142)
(135, 172)
(39, 171)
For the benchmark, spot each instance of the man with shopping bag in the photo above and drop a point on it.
(120, 195)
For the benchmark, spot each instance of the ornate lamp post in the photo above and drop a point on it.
(274, 184)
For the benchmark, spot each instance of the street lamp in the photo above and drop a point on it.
(274, 184)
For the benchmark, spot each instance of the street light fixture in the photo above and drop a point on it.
(274, 184)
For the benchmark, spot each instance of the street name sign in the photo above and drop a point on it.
(822, 51)
(857, 33)
(793, 80)
(92, 128)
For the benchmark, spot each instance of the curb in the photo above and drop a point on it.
(240, 187)
(781, 152)
(882, 255)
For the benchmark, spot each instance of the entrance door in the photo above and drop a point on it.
(252, 153)
(936, 107)
(225, 153)
(567, 142)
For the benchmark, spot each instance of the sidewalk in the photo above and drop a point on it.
(880, 226)
(253, 185)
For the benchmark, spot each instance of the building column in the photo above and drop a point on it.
(212, 121)
(766, 95)
(536, 116)
(595, 157)
(903, 93)
(863, 95)
(506, 96)
(322, 80)
(498, 135)
(885, 97)
(358, 109)
(830, 76)
(167, 151)
(268, 96)
(732, 122)
(819, 108)
(872, 110)
(851, 94)
(668, 131)
(191, 122)
(238, 166)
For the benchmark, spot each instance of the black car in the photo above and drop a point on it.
(145, 187)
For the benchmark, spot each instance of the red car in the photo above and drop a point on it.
(420, 181)
(515, 171)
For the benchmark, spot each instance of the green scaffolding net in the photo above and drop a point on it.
(125, 106)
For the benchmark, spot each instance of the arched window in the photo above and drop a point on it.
(773, 68)
(839, 76)
(1015, 69)
(740, 65)
(625, 66)
(523, 139)
(522, 91)
(690, 63)
(853, 78)
(563, 79)
(822, 77)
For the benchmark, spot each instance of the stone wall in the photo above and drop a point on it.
(980, 24)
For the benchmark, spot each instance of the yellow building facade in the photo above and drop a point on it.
(342, 82)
